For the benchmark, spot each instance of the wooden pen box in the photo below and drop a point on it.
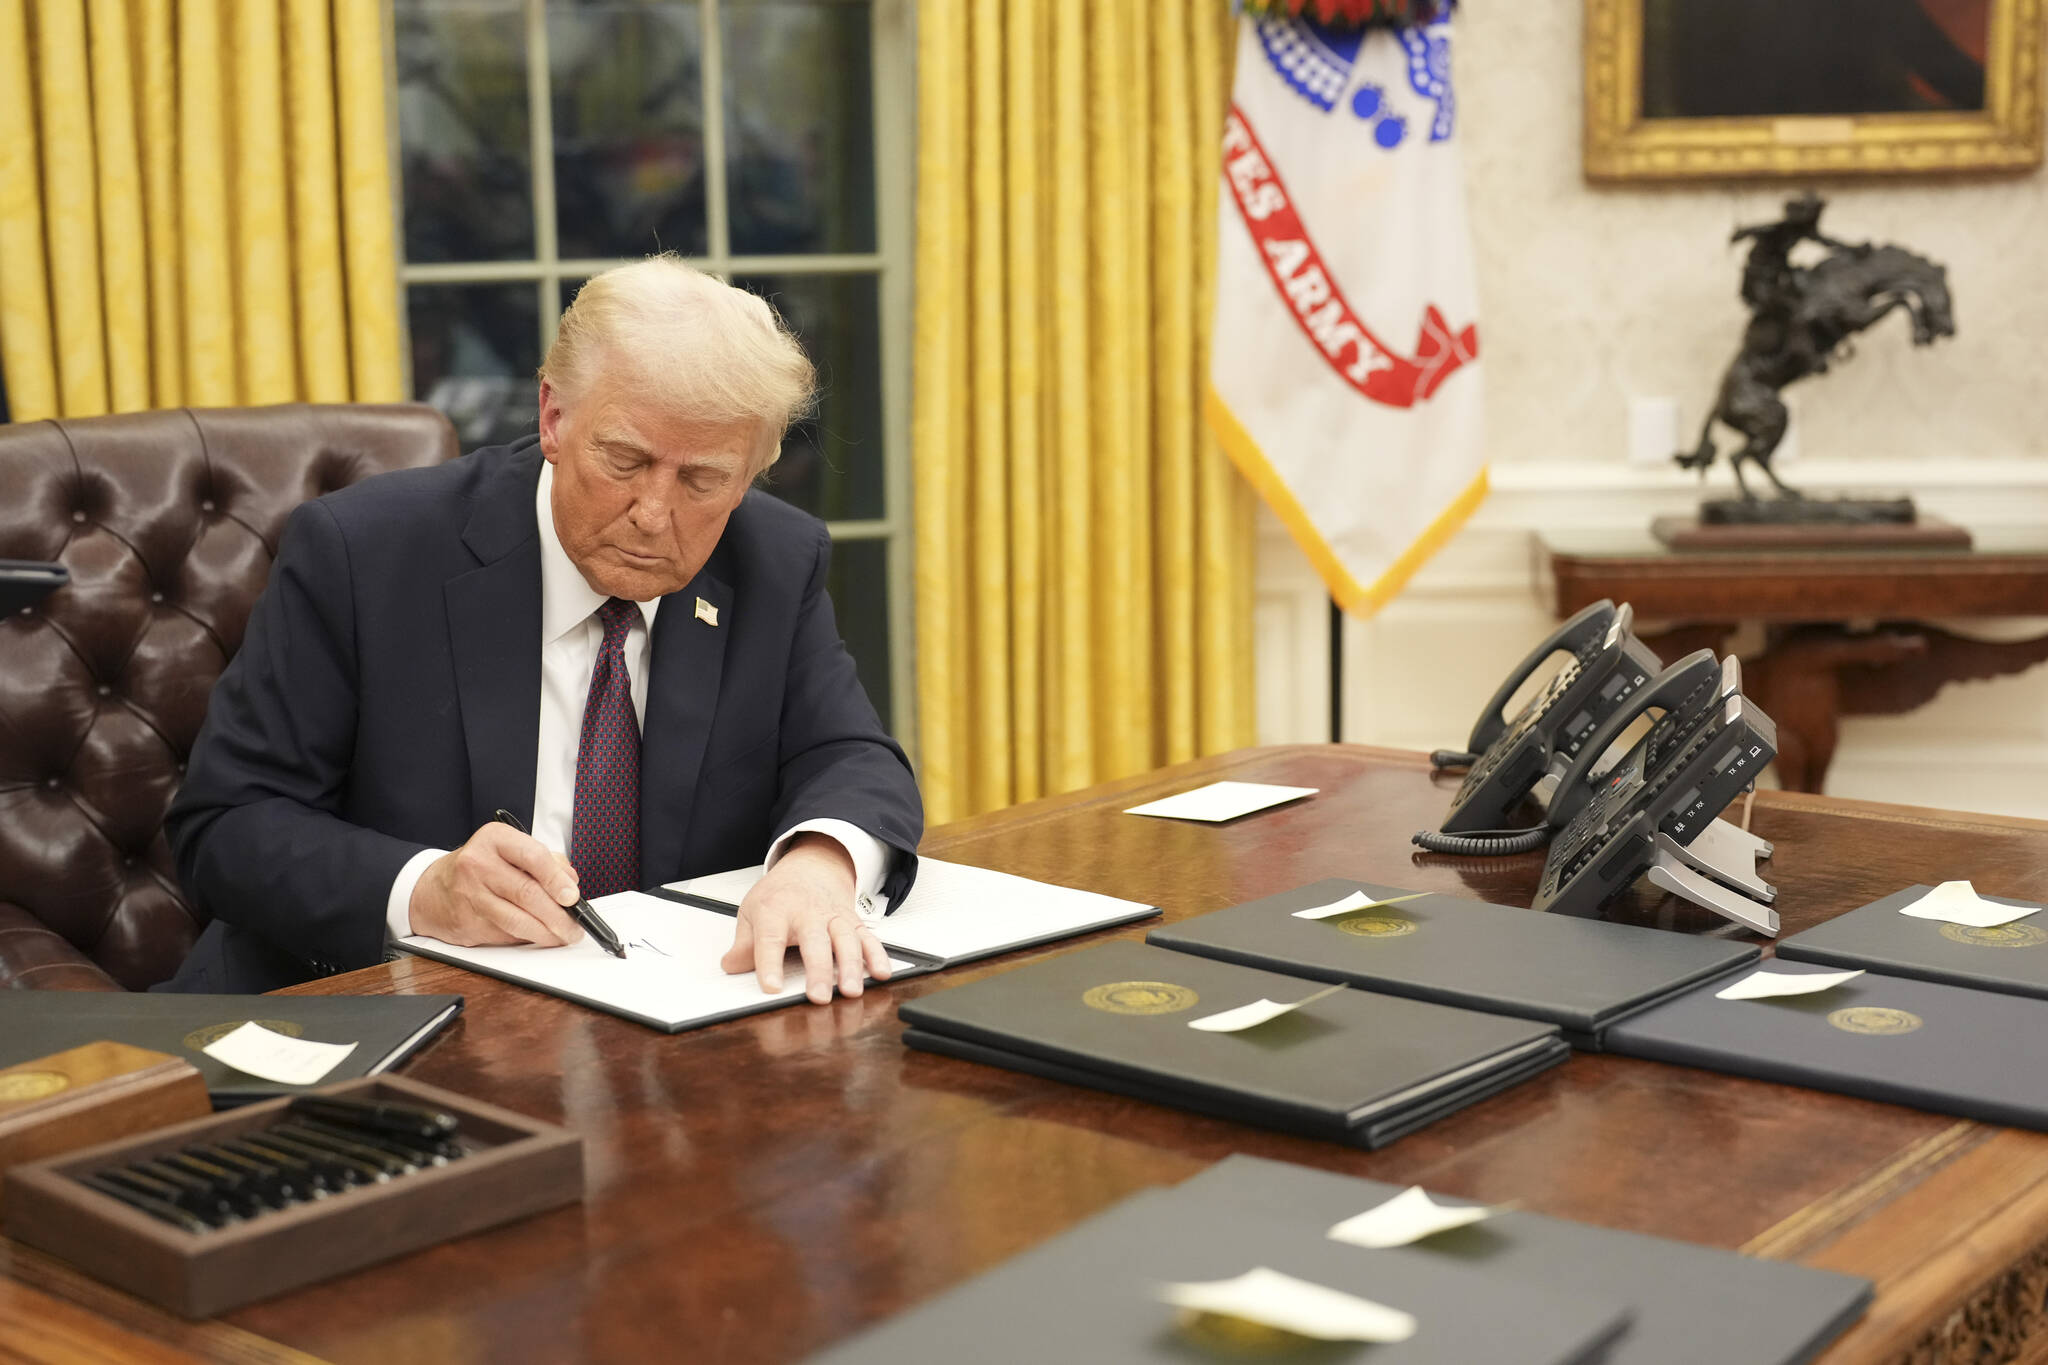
(515, 1166)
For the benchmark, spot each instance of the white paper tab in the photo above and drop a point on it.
(1408, 1217)
(1308, 1310)
(266, 1053)
(1762, 984)
(1357, 900)
(1959, 903)
(1221, 801)
(1258, 1012)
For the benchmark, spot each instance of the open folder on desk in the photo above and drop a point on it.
(955, 913)
(670, 978)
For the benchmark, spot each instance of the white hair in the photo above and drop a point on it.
(696, 345)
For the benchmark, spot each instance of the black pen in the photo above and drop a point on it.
(592, 923)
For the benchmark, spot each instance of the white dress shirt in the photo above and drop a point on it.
(570, 635)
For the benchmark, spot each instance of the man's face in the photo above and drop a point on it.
(641, 496)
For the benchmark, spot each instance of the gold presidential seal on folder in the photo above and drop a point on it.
(1875, 1019)
(1376, 926)
(2014, 935)
(1139, 997)
(31, 1085)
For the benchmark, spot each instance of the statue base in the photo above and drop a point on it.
(1807, 512)
(1808, 524)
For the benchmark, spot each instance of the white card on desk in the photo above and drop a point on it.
(1762, 985)
(669, 978)
(955, 912)
(1221, 801)
(1306, 1309)
(275, 1057)
(1408, 1217)
(1959, 903)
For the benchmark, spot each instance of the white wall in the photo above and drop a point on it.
(1591, 296)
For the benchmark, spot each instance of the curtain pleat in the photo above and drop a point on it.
(177, 181)
(1083, 550)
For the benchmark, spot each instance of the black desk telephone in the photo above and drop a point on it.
(1509, 756)
(1655, 810)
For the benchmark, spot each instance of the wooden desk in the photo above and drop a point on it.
(764, 1187)
(1840, 632)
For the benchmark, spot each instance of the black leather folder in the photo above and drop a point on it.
(1974, 1054)
(1692, 1305)
(1090, 1295)
(386, 1029)
(1356, 1067)
(1580, 974)
(2012, 958)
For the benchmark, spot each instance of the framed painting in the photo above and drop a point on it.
(1742, 89)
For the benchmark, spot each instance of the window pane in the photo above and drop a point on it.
(800, 147)
(474, 350)
(462, 130)
(859, 583)
(629, 136)
(831, 464)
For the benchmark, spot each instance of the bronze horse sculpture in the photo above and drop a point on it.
(1801, 317)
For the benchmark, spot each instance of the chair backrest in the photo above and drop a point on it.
(168, 522)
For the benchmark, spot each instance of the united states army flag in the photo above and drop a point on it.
(1344, 376)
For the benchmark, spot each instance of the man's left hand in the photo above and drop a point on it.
(807, 902)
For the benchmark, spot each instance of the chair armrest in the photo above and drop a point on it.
(34, 956)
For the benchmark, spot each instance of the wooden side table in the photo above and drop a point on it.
(1843, 628)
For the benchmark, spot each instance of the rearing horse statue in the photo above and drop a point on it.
(1800, 317)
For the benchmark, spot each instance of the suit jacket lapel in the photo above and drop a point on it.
(688, 659)
(494, 633)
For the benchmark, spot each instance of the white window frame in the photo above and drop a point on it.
(892, 40)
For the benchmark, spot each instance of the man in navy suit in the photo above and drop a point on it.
(602, 630)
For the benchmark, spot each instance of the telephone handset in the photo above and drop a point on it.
(1658, 800)
(1607, 666)
(1686, 691)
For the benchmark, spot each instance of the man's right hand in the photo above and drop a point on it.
(500, 887)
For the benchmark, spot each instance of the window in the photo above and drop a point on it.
(542, 141)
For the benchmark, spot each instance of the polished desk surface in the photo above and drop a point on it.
(763, 1187)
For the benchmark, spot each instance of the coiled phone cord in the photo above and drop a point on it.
(1485, 843)
(1440, 759)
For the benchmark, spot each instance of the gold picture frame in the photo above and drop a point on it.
(1622, 144)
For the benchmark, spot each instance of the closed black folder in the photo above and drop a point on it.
(1692, 1305)
(1355, 1067)
(2012, 958)
(1974, 1054)
(1090, 1294)
(1580, 974)
(386, 1029)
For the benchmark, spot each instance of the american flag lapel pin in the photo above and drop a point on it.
(707, 613)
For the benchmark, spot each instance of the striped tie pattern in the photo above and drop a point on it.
(604, 836)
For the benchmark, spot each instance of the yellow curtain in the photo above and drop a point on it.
(195, 205)
(1084, 551)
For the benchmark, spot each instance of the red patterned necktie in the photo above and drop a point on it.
(604, 836)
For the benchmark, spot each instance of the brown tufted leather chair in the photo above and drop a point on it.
(167, 522)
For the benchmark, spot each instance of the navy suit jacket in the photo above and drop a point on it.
(386, 699)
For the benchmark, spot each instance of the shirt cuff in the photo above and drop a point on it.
(871, 857)
(398, 906)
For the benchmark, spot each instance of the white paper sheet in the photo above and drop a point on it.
(1763, 984)
(955, 912)
(1311, 1310)
(1408, 1217)
(1221, 801)
(670, 973)
(1357, 900)
(1959, 903)
(275, 1057)
(1258, 1012)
